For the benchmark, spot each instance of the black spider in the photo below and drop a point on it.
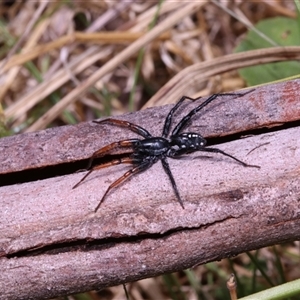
(145, 152)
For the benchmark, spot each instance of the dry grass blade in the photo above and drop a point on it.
(243, 19)
(191, 77)
(13, 72)
(110, 65)
(27, 30)
(145, 18)
(30, 53)
(98, 24)
(78, 64)
(281, 9)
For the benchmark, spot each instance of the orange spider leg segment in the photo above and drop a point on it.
(133, 127)
(141, 167)
(125, 160)
(104, 150)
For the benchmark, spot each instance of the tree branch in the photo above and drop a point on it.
(52, 243)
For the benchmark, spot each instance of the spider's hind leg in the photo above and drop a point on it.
(125, 160)
(104, 150)
(142, 166)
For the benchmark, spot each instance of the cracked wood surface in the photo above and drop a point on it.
(53, 244)
(266, 106)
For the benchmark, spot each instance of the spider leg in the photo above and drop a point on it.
(144, 165)
(121, 144)
(169, 117)
(133, 127)
(185, 119)
(169, 173)
(125, 160)
(215, 150)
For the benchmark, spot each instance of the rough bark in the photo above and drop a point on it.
(52, 243)
(267, 106)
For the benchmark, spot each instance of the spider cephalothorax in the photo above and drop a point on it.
(147, 151)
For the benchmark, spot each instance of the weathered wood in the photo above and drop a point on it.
(52, 243)
(266, 106)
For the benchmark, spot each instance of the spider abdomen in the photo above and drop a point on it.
(156, 146)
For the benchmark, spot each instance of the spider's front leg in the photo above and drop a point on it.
(190, 142)
(184, 120)
(168, 121)
(216, 150)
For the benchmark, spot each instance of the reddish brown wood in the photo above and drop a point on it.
(52, 243)
(266, 106)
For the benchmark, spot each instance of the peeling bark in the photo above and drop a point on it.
(52, 243)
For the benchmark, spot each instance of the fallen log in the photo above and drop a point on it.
(52, 243)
